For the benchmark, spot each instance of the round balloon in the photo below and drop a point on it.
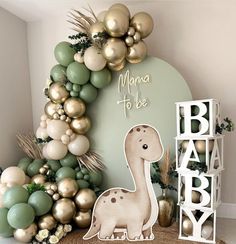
(65, 172)
(57, 128)
(69, 160)
(56, 150)
(207, 229)
(57, 92)
(101, 78)
(83, 219)
(122, 8)
(78, 73)
(54, 165)
(5, 229)
(95, 178)
(67, 187)
(74, 107)
(85, 199)
(94, 30)
(13, 175)
(47, 222)
(81, 125)
(41, 133)
(58, 73)
(88, 93)
(137, 52)
(83, 184)
(26, 235)
(24, 163)
(51, 108)
(33, 168)
(64, 53)
(79, 146)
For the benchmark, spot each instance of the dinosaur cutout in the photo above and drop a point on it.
(120, 213)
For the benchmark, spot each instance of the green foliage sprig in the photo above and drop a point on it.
(51, 177)
(226, 125)
(1, 170)
(41, 141)
(31, 188)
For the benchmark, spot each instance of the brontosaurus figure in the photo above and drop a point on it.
(120, 213)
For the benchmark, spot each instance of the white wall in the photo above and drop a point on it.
(15, 98)
(197, 37)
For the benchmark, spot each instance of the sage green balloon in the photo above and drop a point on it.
(69, 160)
(74, 94)
(79, 175)
(101, 78)
(69, 86)
(14, 195)
(95, 178)
(58, 73)
(65, 172)
(41, 202)
(64, 53)
(33, 168)
(76, 87)
(194, 126)
(88, 93)
(78, 73)
(20, 216)
(5, 229)
(83, 184)
(54, 165)
(24, 163)
(197, 183)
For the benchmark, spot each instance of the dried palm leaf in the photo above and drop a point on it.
(165, 168)
(28, 144)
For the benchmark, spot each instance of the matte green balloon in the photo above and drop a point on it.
(20, 216)
(69, 86)
(33, 168)
(197, 183)
(83, 184)
(58, 73)
(41, 202)
(194, 125)
(69, 160)
(54, 165)
(64, 53)
(95, 178)
(74, 94)
(84, 171)
(101, 78)
(24, 163)
(65, 172)
(88, 93)
(14, 195)
(5, 229)
(79, 175)
(76, 87)
(78, 73)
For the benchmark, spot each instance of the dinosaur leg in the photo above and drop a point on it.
(106, 230)
(134, 231)
(147, 234)
(119, 235)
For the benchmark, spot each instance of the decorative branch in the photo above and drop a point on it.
(226, 125)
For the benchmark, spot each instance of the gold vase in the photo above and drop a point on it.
(166, 207)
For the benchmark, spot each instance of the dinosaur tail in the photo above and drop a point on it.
(93, 230)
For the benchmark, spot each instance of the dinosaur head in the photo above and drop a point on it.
(143, 141)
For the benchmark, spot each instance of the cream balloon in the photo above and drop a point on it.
(137, 52)
(93, 59)
(57, 128)
(56, 150)
(41, 133)
(26, 235)
(207, 229)
(122, 8)
(79, 57)
(79, 146)
(13, 175)
(44, 152)
(101, 15)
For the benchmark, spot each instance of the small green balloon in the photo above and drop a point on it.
(83, 184)
(5, 229)
(64, 53)
(54, 165)
(76, 87)
(65, 172)
(33, 168)
(95, 178)
(69, 160)
(24, 163)
(197, 183)
(84, 171)
(194, 125)
(202, 157)
(74, 94)
(58, 73)
(86, 177)
(20, 216)
(41, 202)
(79, 175)
(88, 93)
(78, 73)
(101, 78)
(14, 195)
(69, 86)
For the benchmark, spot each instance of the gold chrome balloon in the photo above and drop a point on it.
(131, 31)
(114, 50)
(81, 125)
(96, 28)
(137, 52)
(58, 93)
(117, 67)
(129, 40)
(122, 8)
(67, 187)
(83, 219)
(143, 23)
(47, 222)
(64, 210)
(85, 199)
(137, 37)
(201, 146)
(116, 22)
(184, 145)
(51, 108)
(196, 196)
(187, 226)
(38, 179)
(26, 235)
(74, 107)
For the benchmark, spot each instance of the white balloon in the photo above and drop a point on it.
(56, 150)
(101, 15)
(207, 229)
(79, 146)
(1, 202)
(13, 175)
(3, 188)
(79, 58)
(41, 133)
(94, 59)
(44, 152)
(57, 128)
(65, 139)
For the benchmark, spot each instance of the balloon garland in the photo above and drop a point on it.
(56, 186)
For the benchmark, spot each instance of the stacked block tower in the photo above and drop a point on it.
(199, 163)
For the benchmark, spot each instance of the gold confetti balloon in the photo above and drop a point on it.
(26, 235)
(81, 125)
(67, 187)
(137, 52)
(51, 108)
(38, 179)
(58, 93)
(187, 226)
(83, 219)
(64, 210)
(85, 199)
(74, 107)
(47, 222)
(117, 67)
(114, 50)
